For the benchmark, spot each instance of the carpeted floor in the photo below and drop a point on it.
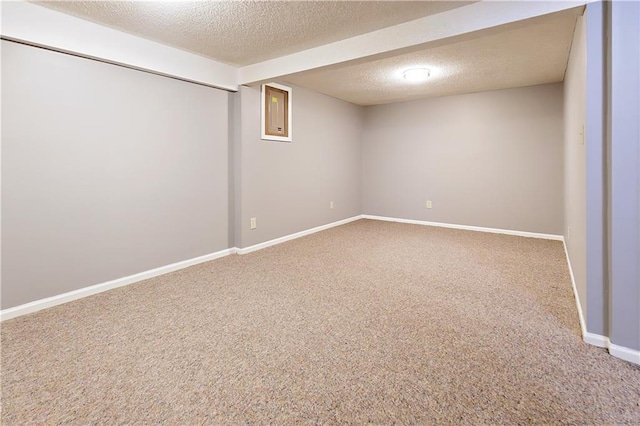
(370, 322)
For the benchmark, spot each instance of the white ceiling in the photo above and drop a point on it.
(474, 48)
(530, 52)
(245, 32)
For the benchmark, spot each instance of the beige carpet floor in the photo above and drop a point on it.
(370, 322)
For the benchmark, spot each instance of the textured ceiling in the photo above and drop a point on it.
(531, 52)
(245, 32)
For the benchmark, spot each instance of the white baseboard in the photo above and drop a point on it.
(296, 235)
(467, 227)
(583, 324)
(59, 299)
(596, 340)
(626, 354)
(622, 352)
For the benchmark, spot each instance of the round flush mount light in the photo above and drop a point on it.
(416, 74)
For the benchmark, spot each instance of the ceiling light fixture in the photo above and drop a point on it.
(416, 74)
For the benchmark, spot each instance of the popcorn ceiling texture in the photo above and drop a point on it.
(246, 32)
(525, 54)
(370, 322)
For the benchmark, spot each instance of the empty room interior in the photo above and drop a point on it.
(323, 212)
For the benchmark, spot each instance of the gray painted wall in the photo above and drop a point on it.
(597, 302)
(613, 172)
(287, 187)
(575, 159)
(106, 172)
(625, 175)
(491, 159)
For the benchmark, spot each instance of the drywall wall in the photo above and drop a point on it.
(597, 257)
(491, 159)
(575, 185)
(106, 172)
(625, 176)
(286, 186)
(613, 177)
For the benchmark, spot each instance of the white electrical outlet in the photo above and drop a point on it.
(331, 205)
(429, 204)
(253, 223)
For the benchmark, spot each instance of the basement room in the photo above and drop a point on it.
(320, 212)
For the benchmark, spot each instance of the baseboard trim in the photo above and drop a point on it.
(626, 354)
(583, 324)
(596, 340)
(617, 351)
(290, 237)
(622, 352)
(59, 299)
(467, 227)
